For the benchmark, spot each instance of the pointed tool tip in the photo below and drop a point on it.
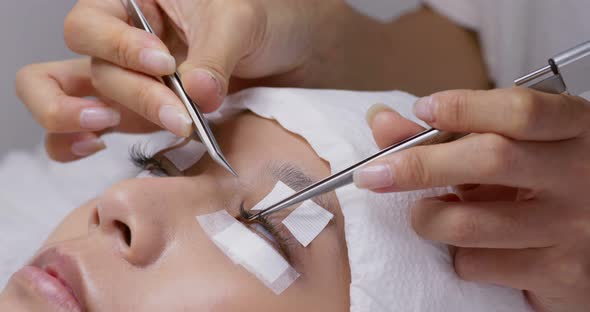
(222, 162)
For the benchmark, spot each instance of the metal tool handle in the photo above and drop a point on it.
(569, 72)
(345, 177)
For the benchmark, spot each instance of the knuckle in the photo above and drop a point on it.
(145, 105)
(463, 227)
(409, 170)
(123, 48)
(499, 154)
(452, 110)
(525, 110)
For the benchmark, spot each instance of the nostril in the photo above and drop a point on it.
(94, 220)
(124, 230)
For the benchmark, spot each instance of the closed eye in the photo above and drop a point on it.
(280, 238)
(144, 161)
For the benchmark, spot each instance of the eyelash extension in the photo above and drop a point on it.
(144, 161)
(285, 242)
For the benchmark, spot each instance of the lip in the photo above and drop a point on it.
(56, 277)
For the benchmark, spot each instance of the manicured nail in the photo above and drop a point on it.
(424, 109)
(87, 147)
(373, 177)
(175, 120)
(375, 110)
(206, 80)
(157, 61)
(98, 118)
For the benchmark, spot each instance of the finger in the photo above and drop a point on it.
(53, 94)
(100, 29)
(485, 224)
(66, 147)
(388, 126)
(215, 48)
(143, 95)
(476, 159)
(519, 113)
(527, 269)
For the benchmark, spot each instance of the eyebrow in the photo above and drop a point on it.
(297, 179)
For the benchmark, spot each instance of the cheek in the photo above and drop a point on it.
(196, 276)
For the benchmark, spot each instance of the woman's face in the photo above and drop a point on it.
(143, 250)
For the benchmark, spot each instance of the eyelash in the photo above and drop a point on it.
(284, 242)
(144, 161)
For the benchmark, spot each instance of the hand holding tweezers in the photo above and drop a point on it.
(174, 83)
(567, 72)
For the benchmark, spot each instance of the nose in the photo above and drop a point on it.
(136, 217)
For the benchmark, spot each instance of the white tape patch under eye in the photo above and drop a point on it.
(187, 155)
(280, 191)
(307, 222)
(145, 174)
(249, 250)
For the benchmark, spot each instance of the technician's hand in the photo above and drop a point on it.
(522, 219)
(55, 95)
(216, 40)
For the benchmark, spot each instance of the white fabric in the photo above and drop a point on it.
(249, 250)
(278, 192)
(392, 269)
(384, 11)
(187, 155)
(307, 222)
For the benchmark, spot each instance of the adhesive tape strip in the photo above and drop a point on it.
(280, 191)
(145, 174)
(307, 222)
(249, 250)
(187, 155)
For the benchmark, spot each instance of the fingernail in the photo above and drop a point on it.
(206, 80)
(424, 109)
(376, 110)
(87, 147)
(157, 61)
(98, 118)
(175, 120)
(373, 177)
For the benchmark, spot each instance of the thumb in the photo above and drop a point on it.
(213, 53)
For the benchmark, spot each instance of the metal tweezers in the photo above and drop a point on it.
(174, 83)
(567, 72)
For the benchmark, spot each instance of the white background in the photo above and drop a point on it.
(30, 31)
